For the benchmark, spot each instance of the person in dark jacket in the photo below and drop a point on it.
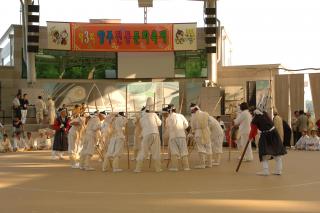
(61, 126)
(270, 144)
(286, 134)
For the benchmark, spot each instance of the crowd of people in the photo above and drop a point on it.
(29, 143)
(81, 135)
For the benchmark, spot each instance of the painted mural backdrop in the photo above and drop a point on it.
(111, 97)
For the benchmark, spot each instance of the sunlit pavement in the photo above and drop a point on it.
(32, 182)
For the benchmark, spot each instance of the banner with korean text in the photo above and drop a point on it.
(122, 37)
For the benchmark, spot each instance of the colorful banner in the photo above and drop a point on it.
(185, 36)
(121, 37)
(59, 37)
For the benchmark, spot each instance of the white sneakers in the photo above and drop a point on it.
(75, 166)
(263, 173)
(200, 167)
(266, 173)
(54, 158)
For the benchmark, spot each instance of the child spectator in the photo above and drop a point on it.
(19, 143)
(17, 125)
(30, 142)
(301, 143)
(313, 142)
(41, 141)
(5, 144)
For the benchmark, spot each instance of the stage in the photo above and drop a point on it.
(31, 182)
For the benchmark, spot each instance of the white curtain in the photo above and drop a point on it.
(282, 95)
(315, 91)
(296, 92)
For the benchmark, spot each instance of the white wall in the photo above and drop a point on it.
(146, 65)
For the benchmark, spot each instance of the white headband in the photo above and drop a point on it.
(257, 112)
(195, 107)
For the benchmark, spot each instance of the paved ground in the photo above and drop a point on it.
(32, 183)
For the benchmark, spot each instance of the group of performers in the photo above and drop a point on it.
(83, 135)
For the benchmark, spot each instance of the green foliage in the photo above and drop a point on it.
(73, 67)
(192, 62)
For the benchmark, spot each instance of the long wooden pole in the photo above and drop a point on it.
(127, 138)
(110, 102)
(181, 103)
(217, 104)
(243, 153)
(154, 102)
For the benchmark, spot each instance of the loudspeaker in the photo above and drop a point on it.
(210, 40)
(33, 38)
(210, 11)
(33, 48)
(210, 30)
(33, 28)
(33, 18)
(33, 8)
(210, 20)
(212, 49)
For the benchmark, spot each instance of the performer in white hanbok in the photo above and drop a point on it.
(92, 134)
(116, 144)
(176, 125)
(243, 120)
(200, 130)
(150, 123)
(51, 111)
(106, 132)
(313, 143)
(301, 143)
(40, 107)
(76, 124)
(137, 136)
(217, 136)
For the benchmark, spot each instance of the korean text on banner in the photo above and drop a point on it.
(59, 37)
(185, 36)
(121, 37)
